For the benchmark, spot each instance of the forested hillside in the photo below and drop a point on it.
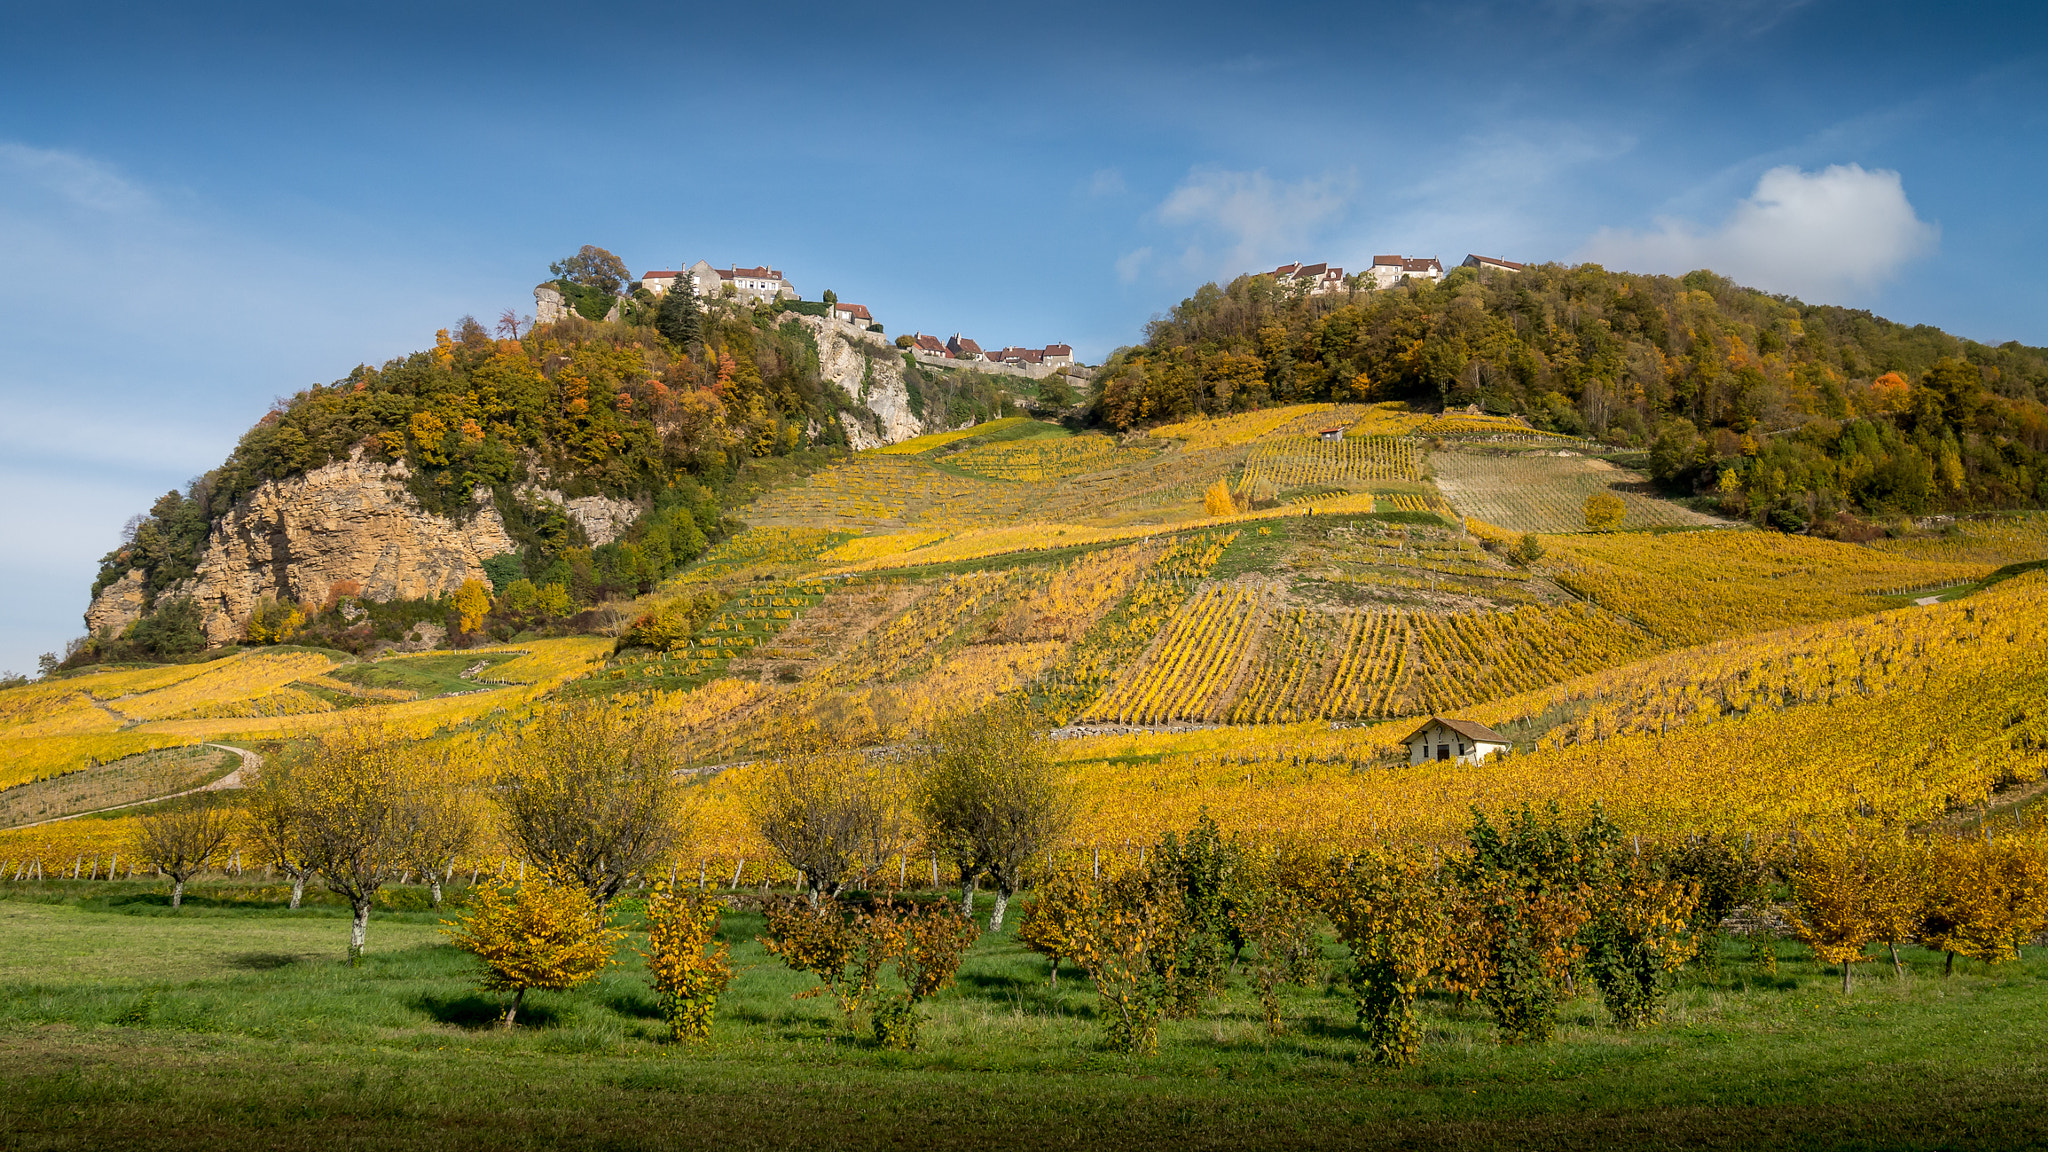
(688, 409)
(1788, 413)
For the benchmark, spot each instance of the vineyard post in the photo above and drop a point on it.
(701, 866)
(735, 885)
(78, 862)
(935, 868)
(1098, 860)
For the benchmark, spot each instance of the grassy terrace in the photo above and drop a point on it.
(232, 1024)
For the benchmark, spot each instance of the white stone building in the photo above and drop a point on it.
(1322, 279)
(1388, 271)
(1465, 741)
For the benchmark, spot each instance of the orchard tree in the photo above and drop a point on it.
(352, 795)
(182, 837)
(1832, 901)
(273, 825)
(831, 813)
(592, 796)
(993, 798)
(685, 961)
(542, 933)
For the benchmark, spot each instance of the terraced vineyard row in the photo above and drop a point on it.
(1299, 461)
(1367, 665)
(879, 492)
(1193, 665)
(1046, 458)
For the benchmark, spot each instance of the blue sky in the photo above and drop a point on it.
(203, 207)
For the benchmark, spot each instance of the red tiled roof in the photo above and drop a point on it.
(658, 275)
(1495, 261)
(1469, 729)
(736, 272)
(1059, 350)
(930, 344)
(963, 345)
(857, 311)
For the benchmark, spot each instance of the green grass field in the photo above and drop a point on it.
(234, 1024)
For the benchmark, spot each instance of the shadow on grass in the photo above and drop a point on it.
(265, 961)
(635, 1004)
(476, 1011)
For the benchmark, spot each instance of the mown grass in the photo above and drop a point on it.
(233, 1023)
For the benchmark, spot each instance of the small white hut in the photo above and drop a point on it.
(1464, 740)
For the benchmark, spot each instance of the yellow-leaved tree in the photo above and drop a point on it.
(472, 604)
(543, 934)
(1056, 917)
(1217, 501)
(1604, 510)
(1831, 895)
(1985, 898)
(354, 817)
(685, 962)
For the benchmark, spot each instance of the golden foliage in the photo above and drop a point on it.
(685, 962)
(544, 934)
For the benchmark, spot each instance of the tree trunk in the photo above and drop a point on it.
(435, 887)
(995, 918)
(1898, 969)
(1949, 968)
(1846, 969)
(358, 931)
(967, 880)
(298, 888)
(177, 891)
(512, 1009)
(1055, 973)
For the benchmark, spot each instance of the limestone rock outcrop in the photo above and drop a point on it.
(117, 606)
(602, 518)
(352, 521)
(870, 371)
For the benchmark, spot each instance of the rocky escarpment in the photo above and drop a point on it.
(350, 523)
(870, 371)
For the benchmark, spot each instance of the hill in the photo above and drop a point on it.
(1786, 413)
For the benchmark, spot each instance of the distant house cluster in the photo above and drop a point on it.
(1386, 271)
(749, 284)
(964, 348)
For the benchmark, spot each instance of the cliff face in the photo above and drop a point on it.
(872, 381)
(296, 539)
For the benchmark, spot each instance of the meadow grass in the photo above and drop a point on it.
(233, 1023)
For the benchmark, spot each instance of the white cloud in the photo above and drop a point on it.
(1818, 235)
(1106, 182)
(1130, 264)
(1238, 221)
(79, 181)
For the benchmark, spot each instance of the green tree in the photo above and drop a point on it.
(680, 318)
(993, 799)
(593, 267)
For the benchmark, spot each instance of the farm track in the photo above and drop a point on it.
(252, 764)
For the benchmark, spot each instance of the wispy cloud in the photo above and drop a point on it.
(1106, 182)
(1817, 235)
(79, 181)
(1234, 221)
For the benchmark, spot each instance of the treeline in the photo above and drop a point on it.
(1790, 412)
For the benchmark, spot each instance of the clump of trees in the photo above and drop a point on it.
(1789, 413)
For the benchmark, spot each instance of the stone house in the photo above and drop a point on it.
(851, 314)
(1485, 262)
(929, 345)
(1464, 741)
(1058, 355)
(1388, 271)
(1322, 279)
(963, 348)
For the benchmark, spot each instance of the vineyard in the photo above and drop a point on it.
(1045, 458)
(1544, 493)
(1297, 462)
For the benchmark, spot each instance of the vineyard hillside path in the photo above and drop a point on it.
(252, 763)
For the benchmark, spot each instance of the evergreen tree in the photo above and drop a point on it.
(679, 318)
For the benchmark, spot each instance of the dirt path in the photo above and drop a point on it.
(250, 767)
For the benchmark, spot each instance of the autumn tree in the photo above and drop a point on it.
(593, 267)
(351, 793)
(542, 933)
(1391, 910)
(992, 797)
(593, 796)
(472, 604)
(1130, 943)
(687, 965)
(273, 826)
(1604, 510)
(181, 837)
(1831, 896)
(1056, 916)
(1273, 912)
(440, 825)
(1898, 879)
(1985, 898)
(831, 813)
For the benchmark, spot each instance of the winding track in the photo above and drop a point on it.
(252, 765)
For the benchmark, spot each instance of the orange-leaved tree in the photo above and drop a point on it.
(544, 933)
